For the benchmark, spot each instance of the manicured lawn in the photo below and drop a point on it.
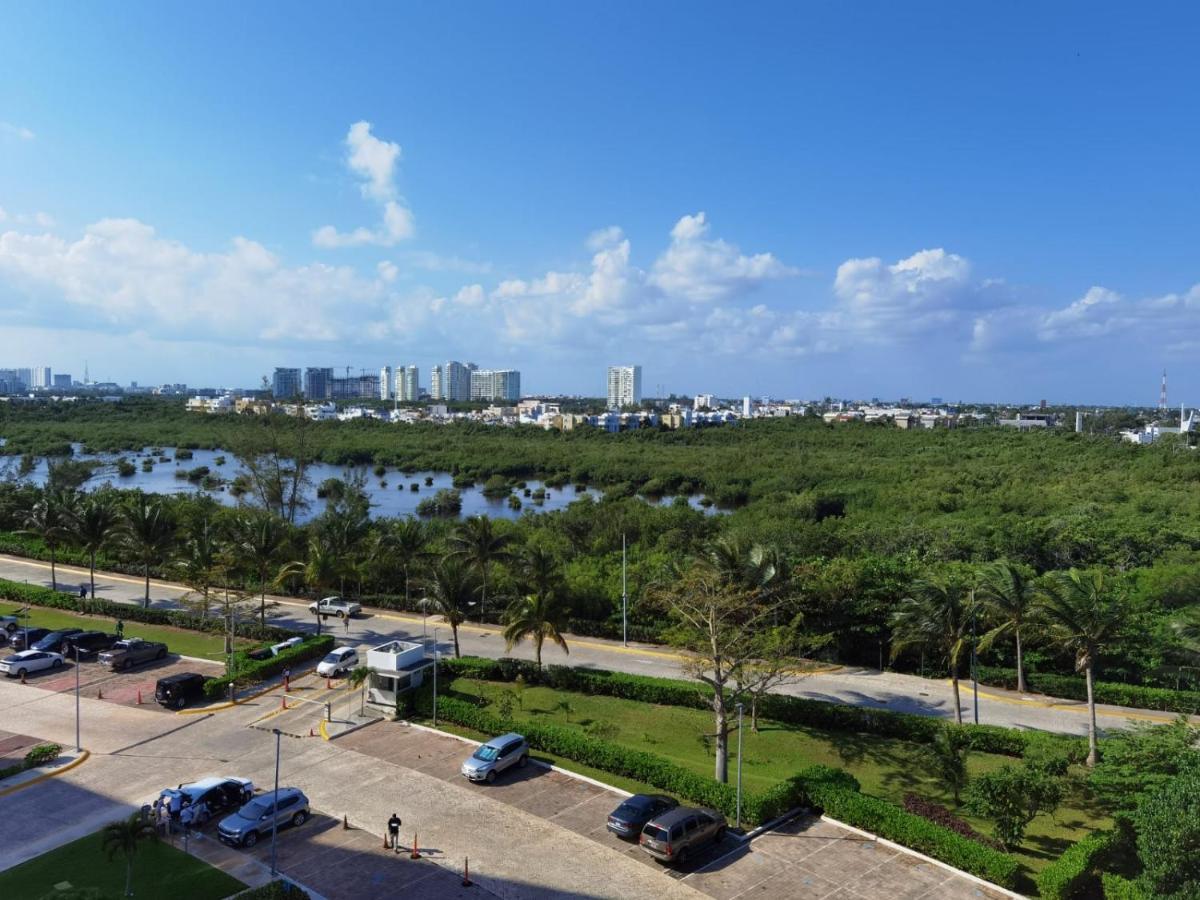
(885, 767)
(178, 640)
(160, 872)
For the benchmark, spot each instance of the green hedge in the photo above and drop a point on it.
(251, 671)
(275, 890)
(820, 787)
(778, 707)
(1111, 692)
(42, 753)
(1074, 871)
(35, 595)
(1118, 888)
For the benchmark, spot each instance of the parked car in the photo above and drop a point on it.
(9, 623)
(29, 661)
(25, 638)
(199, 801)
(335, 606)
(676, 835)
(89, 643)
(244, 827)
(177, 691)
(496, 756)
(55, 641)
(343, 659)
(130, 652)
(628, 819)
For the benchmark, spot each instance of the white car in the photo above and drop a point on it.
(343, 659)
(335, 606)
(29, 661)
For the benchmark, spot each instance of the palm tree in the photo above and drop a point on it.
(1009, 595)
(320, 570)
(355, 678)
(947, 756)
(451, 589)
(539, 616)
(92, 527)
(199, 563)
(123, 836)
(745, 565)
(1081, 613)
(259, 539)
(405, 544)
(48, 520)
(937, 618)
(477, 543)
(148, 532)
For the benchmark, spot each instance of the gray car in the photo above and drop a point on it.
(495, 756)
(253, 821)
(675, 836)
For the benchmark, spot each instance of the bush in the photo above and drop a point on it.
(1167, 821)
(1072, 872)
(275, 890)
(778, 707)
(1112, 692)
(1118, 888)
(940, 815)
(247, 670)
(39, 596)
(42, 753)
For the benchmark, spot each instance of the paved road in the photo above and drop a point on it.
(860, 687)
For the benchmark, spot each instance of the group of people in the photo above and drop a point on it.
(167, 810)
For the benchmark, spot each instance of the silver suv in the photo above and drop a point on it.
(495, 756)
(244, 827)
(675, 836)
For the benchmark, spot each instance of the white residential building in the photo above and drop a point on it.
(624, 386)
(408, 384)
(43, 379)
(496, 384)
(385, 384)
(705, 401)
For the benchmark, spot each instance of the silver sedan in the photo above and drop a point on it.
(29, 661)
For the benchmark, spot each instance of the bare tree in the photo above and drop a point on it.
(782, 651)
(276, 460)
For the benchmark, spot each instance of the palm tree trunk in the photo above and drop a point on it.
(92, 567)
(721, 773)
(957, 702)
(1020, 665)
(454, 629)
(147, 571)
(128, 876)
(537, 643)
(262, 605)
(53, 571)
(483, 595)
(1092, 755)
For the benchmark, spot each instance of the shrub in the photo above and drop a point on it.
(1168, 831)
(940, 815)
(275, 890)
(1074, 870)
(248, 670)
(42, 753)
(1115, 693)
(1118, 888)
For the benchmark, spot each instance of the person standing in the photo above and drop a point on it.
(394, 831)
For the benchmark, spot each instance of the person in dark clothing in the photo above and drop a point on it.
(394, 831)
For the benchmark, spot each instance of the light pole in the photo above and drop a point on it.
(974, 671)
(739, 769)
(435, 668)
(624, 598)
(275, 804)
(78, 748)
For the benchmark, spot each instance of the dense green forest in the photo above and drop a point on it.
(858, 511)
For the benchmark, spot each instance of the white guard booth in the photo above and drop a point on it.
(396, 667)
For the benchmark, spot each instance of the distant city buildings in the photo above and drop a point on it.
(408, 384)
(42, 378)
(62, 381)
(316, 383)
(286, 384)
(496, 384)
(624, 386)
(387, 389)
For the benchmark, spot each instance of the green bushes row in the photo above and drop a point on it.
(251, 671)
(779, 707)
(832, 790)
(1118, 888)
(1072, 872)
(274, 890)
(35, 595)
(1113, 692)
(42, 753)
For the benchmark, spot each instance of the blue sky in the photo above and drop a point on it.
(783, 199)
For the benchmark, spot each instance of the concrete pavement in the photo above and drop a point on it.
(855, 686)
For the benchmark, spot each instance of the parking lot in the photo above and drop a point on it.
(101, 683)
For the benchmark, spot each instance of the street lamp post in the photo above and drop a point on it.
(275, 805)
(435, 668)
(624, 598)
(78, 748)
(739, 768)
(974, 667)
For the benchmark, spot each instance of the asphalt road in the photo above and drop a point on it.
(856, 686)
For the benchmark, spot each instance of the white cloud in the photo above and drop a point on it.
(602, 238)
(387, 270)
(704, 271)
(436, 262)
(373, 162)
(16, 131)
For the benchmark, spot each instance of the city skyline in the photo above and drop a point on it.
(771, 216)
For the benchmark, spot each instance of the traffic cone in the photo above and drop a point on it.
(385, 842)
(311, 733)
(283, 703)
(99, 693)
(23, 677)
(466, 871)
(139, 703)
(415, 853)
(329, 684)
(345, 823)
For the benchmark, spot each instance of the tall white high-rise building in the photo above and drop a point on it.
(436, 390)
(496, 384)
(385, 383)
(624, 386)
(408, 384)
(456, 380)
(42, 377)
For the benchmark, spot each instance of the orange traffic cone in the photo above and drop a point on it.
(139, 703)
(466, 871)
(345, 823)
(385, 842)
(283, 703)
(99, 693)
(311, 733)
(329, 684)
(415, 853)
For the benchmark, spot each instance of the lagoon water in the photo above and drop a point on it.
(390, 495)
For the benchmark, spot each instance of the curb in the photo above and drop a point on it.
(240, 701)
(80, 760)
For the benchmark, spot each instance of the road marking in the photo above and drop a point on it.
(1073, 706)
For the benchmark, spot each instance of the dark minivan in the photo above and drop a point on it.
(89, 643)
(176, 691)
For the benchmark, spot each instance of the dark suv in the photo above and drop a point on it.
(55, 641)
(675, 836)
(177, 691)
(25, 638)
(89, 643)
